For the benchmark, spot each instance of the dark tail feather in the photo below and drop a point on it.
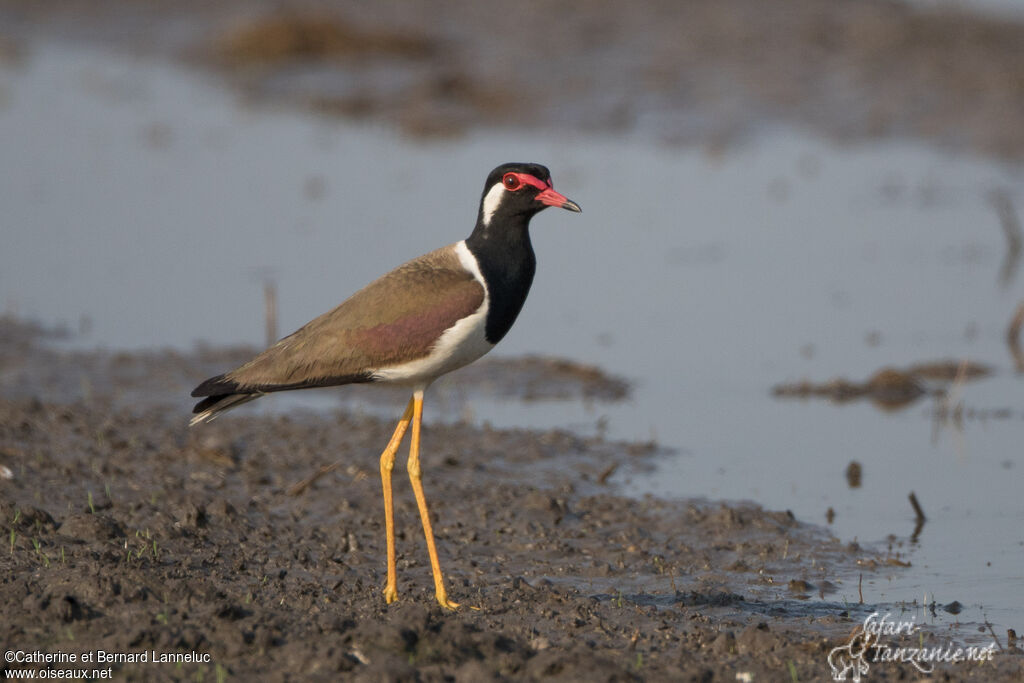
(221, 394)
(212, 406)
(216, 386)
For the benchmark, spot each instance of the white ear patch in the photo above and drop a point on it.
(492, 200)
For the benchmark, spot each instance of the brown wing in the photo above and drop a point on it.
(396, 318)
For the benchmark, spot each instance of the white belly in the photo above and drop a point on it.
(460, 345)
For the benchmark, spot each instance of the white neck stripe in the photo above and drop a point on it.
(492, 200)
(469, 262)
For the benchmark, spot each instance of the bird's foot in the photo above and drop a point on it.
(450, 605)
(443, 600)
(390, 594)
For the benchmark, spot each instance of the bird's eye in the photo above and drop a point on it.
(511, 182)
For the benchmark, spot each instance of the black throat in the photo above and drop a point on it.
(505, 256)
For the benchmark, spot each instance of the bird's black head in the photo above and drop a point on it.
(519, 191)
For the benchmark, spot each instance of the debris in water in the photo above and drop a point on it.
(919, 518)
(889, 388)
(853, 474)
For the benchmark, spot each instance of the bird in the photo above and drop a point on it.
(427, 317)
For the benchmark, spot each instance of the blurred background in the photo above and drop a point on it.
(800, 237)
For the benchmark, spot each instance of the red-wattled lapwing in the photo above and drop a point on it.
(427, 317)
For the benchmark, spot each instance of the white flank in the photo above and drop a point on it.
(492, 200)
(459, 345)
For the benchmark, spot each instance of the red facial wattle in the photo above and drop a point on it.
(547, 195)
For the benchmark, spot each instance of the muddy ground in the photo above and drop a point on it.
(126, 532)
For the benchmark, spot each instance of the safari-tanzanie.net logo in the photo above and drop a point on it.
(875, 643)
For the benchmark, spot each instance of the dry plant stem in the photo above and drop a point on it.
(300, 486)
(1013, 337)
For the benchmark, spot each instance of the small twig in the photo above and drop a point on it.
(919, 518)
(1013, 337)
(1010, 223)
(952, 409)
(270, 306)
(993, 632)
(602, 478)
(917, 508)
(300, 486)
(957, 387)
(1013, 332)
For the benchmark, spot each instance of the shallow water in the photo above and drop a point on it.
(1011, 9)
(143, 206)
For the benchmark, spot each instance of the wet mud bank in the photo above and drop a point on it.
(126, 532)
(686, 72)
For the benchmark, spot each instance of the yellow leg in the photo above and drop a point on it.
(387, 463)
(417, 488)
